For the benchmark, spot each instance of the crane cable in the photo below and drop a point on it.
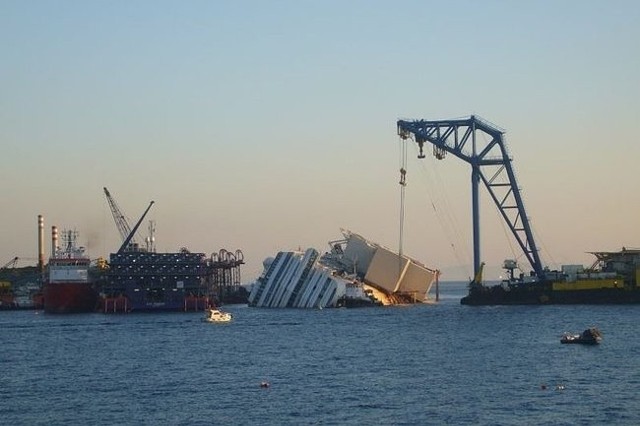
(508, 237)
(544, 247)
(442, 208)
(403, 185)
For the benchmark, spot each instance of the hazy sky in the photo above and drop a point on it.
(269, 125)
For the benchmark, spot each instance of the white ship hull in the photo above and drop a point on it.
(355, 269)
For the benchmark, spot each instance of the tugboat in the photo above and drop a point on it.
(68, 288)
(591, 336)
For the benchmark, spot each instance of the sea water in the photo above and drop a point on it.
(413, 365)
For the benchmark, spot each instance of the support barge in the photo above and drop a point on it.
(613, 279)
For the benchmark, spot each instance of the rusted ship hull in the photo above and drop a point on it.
(68, 298)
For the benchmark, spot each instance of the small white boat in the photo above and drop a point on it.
(216, 315)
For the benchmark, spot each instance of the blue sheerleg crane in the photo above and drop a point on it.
(482, 145)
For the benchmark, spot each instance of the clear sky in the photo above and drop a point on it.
(269, 125)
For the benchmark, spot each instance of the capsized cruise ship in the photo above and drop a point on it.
(355, 272)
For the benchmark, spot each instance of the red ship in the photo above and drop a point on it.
(68, 288)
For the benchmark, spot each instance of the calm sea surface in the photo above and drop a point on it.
(418, 365)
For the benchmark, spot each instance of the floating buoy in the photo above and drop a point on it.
(559, 386)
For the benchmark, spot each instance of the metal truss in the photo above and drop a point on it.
(483, 146)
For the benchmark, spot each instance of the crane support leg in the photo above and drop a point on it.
(475, 206)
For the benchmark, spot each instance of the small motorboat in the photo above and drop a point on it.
(591, 336)
(216, 315)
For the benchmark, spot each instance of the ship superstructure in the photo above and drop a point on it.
(68, 288)
(144, 281)
(354, 272)
(293, 279)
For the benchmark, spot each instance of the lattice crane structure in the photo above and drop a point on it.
(121, 220)
(482, 145)
(122, 223)
(10, 264)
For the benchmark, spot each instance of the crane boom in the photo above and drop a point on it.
(12, 263)
(121, 221)
(129, 238)
(490, 164)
